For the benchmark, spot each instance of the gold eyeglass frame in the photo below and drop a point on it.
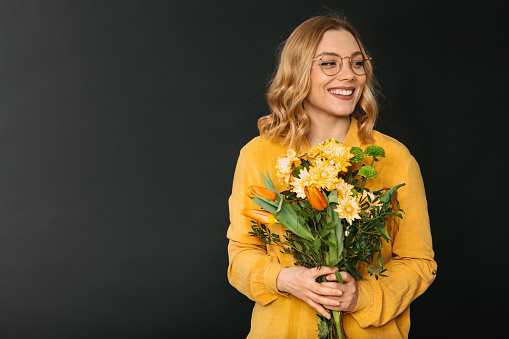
(341, 66)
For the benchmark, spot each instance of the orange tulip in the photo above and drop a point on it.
(261, 216)
(315, 198)
(261, 191)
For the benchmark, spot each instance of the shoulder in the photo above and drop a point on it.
(394, 149)
(262, 147)
(398, 159)
(260, 155)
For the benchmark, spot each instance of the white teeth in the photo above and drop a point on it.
(341, 91)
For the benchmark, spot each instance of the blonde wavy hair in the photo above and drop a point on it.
(289, 123)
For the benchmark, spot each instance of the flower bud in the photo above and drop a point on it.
(261, 216)
(315, 198)
(261, 191)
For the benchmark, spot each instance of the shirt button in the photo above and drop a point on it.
(434, 272)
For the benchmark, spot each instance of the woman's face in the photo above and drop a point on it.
(334, 95)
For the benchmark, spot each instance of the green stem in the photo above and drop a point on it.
(365, 179)
(336, 316)
(362, 186)
(335, 320)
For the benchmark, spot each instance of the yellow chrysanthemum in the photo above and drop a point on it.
(344, 189)
(348, 208)
(284, 166)
(336, 153)
(315, 152)
(324, 175)
(300, 183)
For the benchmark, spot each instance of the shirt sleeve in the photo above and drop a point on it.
(412, 268)
(251, 269)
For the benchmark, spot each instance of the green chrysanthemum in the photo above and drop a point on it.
(367, 172)
(358, 154)
(375, 151)
(323, 328)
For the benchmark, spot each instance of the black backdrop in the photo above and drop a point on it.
(120, 126)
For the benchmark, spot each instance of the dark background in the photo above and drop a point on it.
(120, 127)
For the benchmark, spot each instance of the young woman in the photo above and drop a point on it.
(324, 88)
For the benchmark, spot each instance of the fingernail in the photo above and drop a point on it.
(340, 293)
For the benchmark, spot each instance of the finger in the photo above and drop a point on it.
(324, 270)
(319, 308)
(333, 288)
(325, 301)
(347, 277)
(336, 308)
(328, 289)
(331, 277)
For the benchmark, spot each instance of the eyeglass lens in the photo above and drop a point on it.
(331, 64)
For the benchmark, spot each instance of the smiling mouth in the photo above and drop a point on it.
(338, 91)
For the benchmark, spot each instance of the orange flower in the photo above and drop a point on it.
(261, 216)
(261, 191)
(348, 209)
(315, 198)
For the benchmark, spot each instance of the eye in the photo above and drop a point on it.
(329, 61)
(358, 62)
(328, 64)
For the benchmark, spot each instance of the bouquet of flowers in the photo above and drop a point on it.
(331, 218)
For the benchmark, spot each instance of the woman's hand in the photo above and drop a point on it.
(350, 293)
(301, 283)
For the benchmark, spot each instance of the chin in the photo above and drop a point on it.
(343, 113)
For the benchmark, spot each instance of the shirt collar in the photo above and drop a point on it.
(351, 139)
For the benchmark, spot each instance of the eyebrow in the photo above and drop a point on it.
(333, 53)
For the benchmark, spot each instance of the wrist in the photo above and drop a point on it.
(280, 280)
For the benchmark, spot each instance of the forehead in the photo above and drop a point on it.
(338, 41)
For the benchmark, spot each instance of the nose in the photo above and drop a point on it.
(346, 73)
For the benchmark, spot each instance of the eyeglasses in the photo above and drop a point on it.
(331, 63)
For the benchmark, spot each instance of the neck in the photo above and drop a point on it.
(323, 129)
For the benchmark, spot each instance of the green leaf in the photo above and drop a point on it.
(339, 278)
(384, 233)
(305, 163)
(269, 184)
(296, 171)
(291, 220)
(265, 205)
(352, 270)
(280, 204)
(317, 242)
(339, 233)
(335, 262)
(390, 193)
(333, 197)
(268, 201)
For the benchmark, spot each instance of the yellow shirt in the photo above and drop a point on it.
(383, 307)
